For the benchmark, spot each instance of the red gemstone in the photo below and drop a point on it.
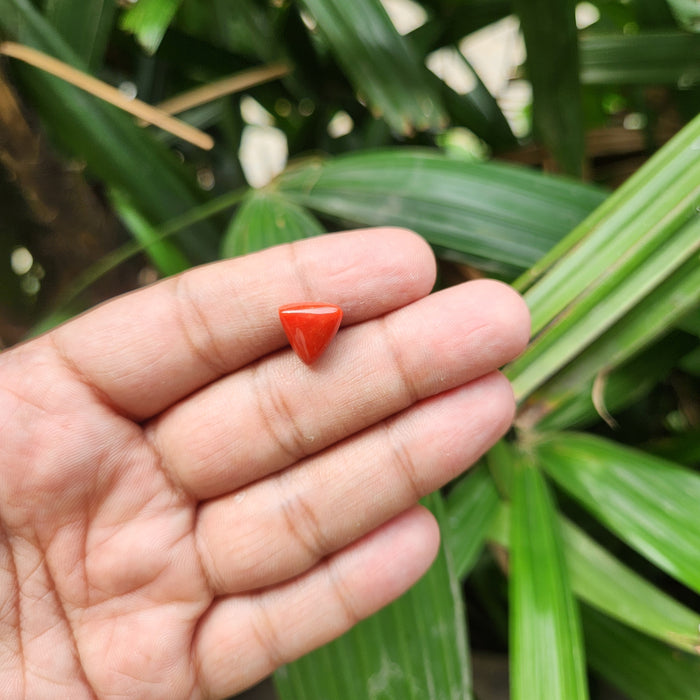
(310, 327)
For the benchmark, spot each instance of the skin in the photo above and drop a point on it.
(185, 505)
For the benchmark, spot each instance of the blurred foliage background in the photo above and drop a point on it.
(551, 144)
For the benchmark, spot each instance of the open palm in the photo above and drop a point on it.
(184, 505)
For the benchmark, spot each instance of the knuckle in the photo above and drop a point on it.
(277, 417)
(196, 330)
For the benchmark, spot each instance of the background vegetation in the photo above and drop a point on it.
(574, 546)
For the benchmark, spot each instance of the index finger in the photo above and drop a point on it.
(148, 349)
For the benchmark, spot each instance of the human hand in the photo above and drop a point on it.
(184, 505)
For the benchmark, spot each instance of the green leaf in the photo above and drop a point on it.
(581, 257)
(551, 39)
(115, 149)
(646, 58)
(415, 649)
(379, 62)
(265, 219)
(165, 254)
(477, 111)
(85, 26)
(642, 668)
(148, 20)
(637, 248)
(547, 658)
(471, 506)
(645, 323)
(648, 502)
(487, 212)
(603, 582)
(624, 386)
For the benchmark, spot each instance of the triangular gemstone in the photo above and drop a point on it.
(310, 327)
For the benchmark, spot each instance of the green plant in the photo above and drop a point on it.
(585, 537)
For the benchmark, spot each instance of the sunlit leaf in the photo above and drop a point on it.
(602, 581)
(605, 583)
(148, 20)
(636, 249)
(650, 319)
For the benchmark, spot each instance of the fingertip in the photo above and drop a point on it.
(397, 554)
(411, 256)
(416, 248)
(509, 311)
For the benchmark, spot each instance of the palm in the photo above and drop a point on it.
(109, 572)
(170, 501)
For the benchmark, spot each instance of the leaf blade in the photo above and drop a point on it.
(84, 26)
(148, 20)
(265, 219)
(642, 668)
(379, 62)
(471, 507)
(547, 657)
(648, 502)
(414, 649)
(551, 38)
(485, 211)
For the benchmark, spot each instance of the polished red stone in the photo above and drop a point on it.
(310, 327)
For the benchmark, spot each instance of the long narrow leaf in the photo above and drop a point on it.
(551, 39)
(648, 58)
(629, 281)
(648, 502)
(547, 658)
(635, 249)
(646, 322)
(164, 253)
(379, 61)
(414, 650)
(488, 212)
(84, 25)
(471, 507)
(583, 255)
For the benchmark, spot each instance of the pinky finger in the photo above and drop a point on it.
(243, 638)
